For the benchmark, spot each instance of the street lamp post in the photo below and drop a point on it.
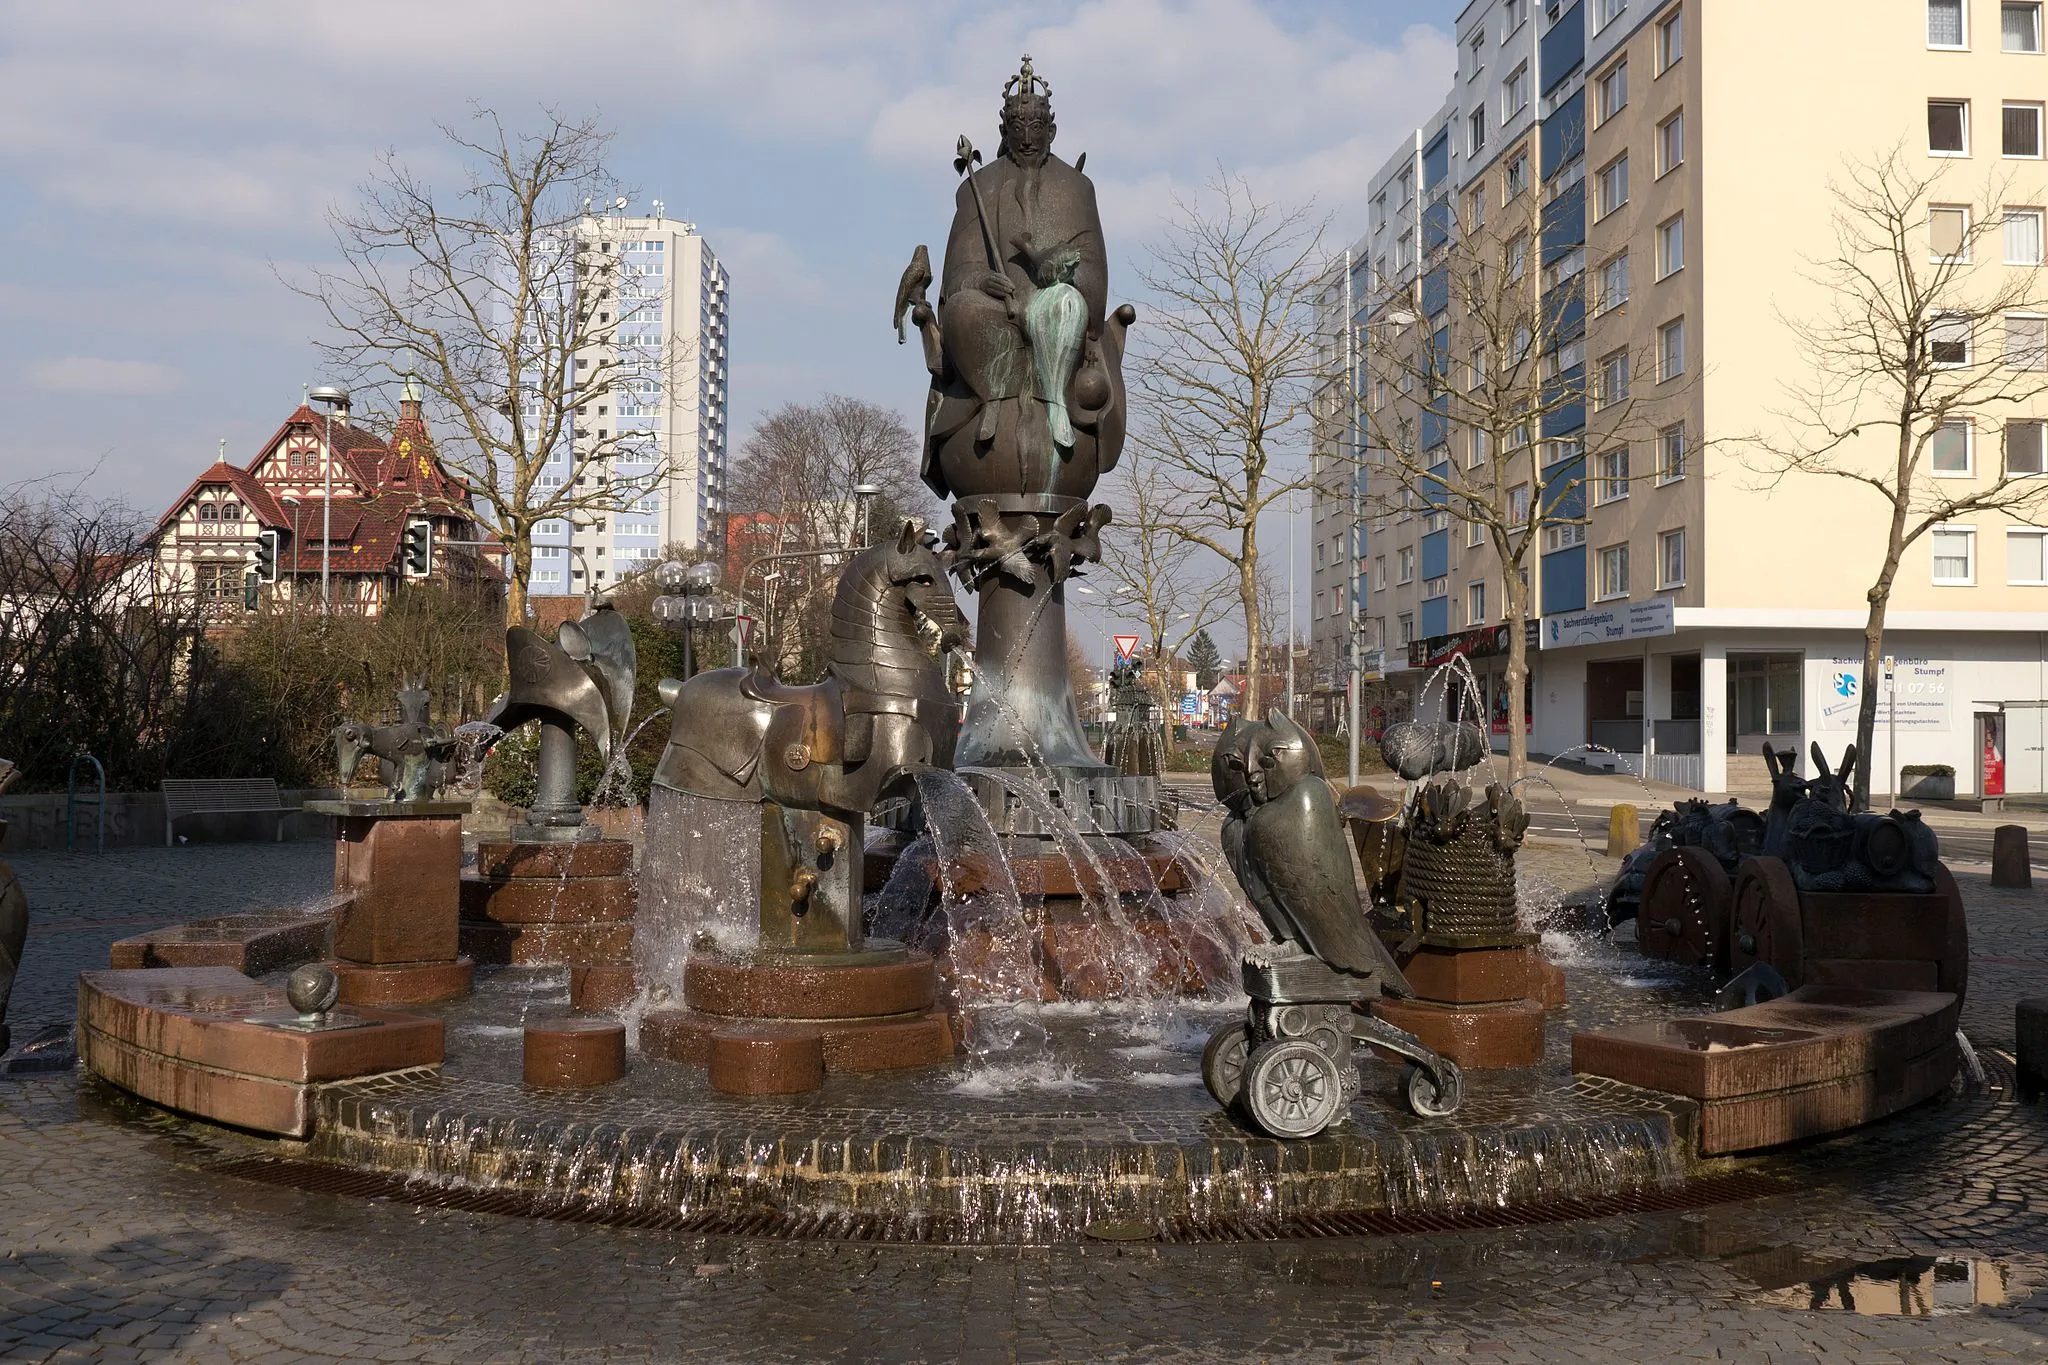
(692, 586)
(329, 397)
(863, 493)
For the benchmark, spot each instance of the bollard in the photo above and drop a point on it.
(2030, 1046)
(2010, 865)
(1624, 831)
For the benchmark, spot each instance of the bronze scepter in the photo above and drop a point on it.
(965, 159)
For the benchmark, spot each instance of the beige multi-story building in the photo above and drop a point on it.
(1684, 159)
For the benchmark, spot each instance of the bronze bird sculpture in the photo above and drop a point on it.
(917, 277)
(1288, 849)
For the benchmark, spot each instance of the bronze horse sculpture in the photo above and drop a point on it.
(412, 756)
(882, 711)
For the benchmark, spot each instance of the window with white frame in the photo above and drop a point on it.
(1670, 246)
(1946, 23)
(1320, 597)
(1477, 452)
(2024, 558)
(1475, 533)
(2023, 236)
(1612, 482)
(1611, 572)
(1515, 258)
(1406, 621)
(1671, 453)
(1948, 231)
(1404, 250)
(1610, 382)
(1475, 602)
(1671, 350)
(1949, 341)
(1407, 185)
(2020, 130)
(1611, 291)
(1514, 176)
(1610, 92)
(2024, 450)
(1475, 380)
(1606, 12)
(1475, 209)
(1950, 449)
(1955, 555)
(1948, 127)
(1477, 47)
(1671, 143)
(1379, 572)
(1475, 131)
(2026, 341)
(1514, 93)
(1670, 40)
(1671, 559)
(1405, 563)
(1562, 269)
(1513, 14)
(1518, 505)
(1563, 449)
(2019, 25)
(1433, 588)
(1563, 536)
(1611, 185)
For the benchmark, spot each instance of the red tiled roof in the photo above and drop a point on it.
(254, 495)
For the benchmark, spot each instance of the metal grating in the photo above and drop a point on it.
(866, 1227)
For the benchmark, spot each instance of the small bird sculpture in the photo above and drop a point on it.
(1284, 841)
(917, 277)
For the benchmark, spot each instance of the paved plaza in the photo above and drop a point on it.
(118, 1242)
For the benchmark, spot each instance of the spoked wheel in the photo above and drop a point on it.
(1683, 916)
(1292, 1089)
(1766, 920)
(1223, 1062)
(1426, 1097)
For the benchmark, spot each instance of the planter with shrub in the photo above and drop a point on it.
(1927, 782)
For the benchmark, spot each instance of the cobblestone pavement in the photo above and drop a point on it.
(117, 1243)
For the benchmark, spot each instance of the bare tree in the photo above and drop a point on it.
(792, 493)
(1166, 576)
(1227, 368)
(522, 317)
(1460, 371)
(1911, 352)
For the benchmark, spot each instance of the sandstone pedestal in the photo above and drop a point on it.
(776, 1023)
(1479, 1000)
(551, 904)
(210, 1042)
(396, 940)
(574, 1053)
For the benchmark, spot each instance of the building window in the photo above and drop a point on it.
(1407, 627)
(1379, 572)
(1613, 572)
(1478, 450)
(1404, 250)
(1477, 47)
(2023, 236)
(1611, 382)
(1515, 258)
(1612, 483)
(1670, 246)
(2022, 131)
(1948, 231)
(1514, 93)
(1563, 536)
(1612, 290)
(1949, 341)
(1405, 564)
(1433, 588)
(2023, 448)
(1475, 209)
(1671, 350)
(1671, 143)
(1407, 187)
(1515, 177)
(1950, 449)
(1948, 127)
(1518, 505)
(1475, 603)
(1670, 40)
(1475, 141)
(208, 512)
(2026, 343)
(1611, 92)
(2024, 561)
(1945, 26)
(1611, 185)
(1475, 533)
(1955, 555)
(1671, 559)
(1671, 453)
(2019, 25)
(1606, 12)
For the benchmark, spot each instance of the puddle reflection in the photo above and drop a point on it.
(1912, 1286)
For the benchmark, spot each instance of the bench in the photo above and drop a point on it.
(185, 796)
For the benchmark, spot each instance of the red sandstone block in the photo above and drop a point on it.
(1476, 1037)
(405, 875)
(1469, 976)
(548, 900)
(574, 1053)
(756, 1060)
(501, 860)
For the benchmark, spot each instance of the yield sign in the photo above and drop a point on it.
(1126, 646)
(743, 632)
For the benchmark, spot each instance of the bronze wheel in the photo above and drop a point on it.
(1292, 1089)
(1223, 1062)
(1766, 921)
(1685, 908)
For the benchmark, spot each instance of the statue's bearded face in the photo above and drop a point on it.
(1029, 132)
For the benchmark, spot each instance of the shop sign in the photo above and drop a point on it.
(1920, 685)
(1487, 642)
(1610, 625)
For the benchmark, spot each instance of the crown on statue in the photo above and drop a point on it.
(1026, 90)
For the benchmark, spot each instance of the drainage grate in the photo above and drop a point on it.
(866, 1227)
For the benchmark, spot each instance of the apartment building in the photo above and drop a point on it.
(1679, 158)
(672, 321)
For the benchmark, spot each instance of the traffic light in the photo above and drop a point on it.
(266, 555)
(251, 584)
(419, 547)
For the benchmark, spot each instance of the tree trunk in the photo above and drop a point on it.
(1516, 677)
(1254, 634)
(1880, 597)
(517, 567)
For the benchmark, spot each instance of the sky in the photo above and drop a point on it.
(170, 167)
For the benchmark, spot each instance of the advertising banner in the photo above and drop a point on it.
(1922, 685)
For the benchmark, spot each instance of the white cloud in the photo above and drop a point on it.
(107, 378)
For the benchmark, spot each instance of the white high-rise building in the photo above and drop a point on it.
(672, 311)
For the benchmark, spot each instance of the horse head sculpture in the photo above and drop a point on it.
(412, 755)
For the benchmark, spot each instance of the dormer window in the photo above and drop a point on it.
(208, 512)
(230, 511)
